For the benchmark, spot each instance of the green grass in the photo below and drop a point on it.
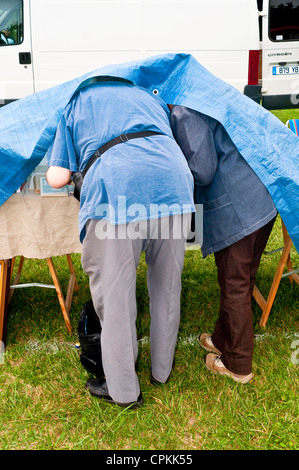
(44, 404)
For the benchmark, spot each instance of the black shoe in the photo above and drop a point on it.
(98, 388)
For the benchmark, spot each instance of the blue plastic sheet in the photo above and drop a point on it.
(27, 126)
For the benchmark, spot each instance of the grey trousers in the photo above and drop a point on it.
(110, 258)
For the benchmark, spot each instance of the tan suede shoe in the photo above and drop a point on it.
(205, 340)
(214, 364)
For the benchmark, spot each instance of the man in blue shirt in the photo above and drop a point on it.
(137, 197)
(238, 215)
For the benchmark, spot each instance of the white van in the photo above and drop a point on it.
(279, 47)
(46, 42)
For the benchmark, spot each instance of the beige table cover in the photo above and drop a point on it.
(37, 226)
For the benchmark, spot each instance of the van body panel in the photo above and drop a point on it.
(120, 31)
(16, 79)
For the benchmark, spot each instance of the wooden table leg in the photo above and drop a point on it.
(5, 275)
(60, 295)
(17, 278)
(293, 276)
(65, 303)
(266, 305)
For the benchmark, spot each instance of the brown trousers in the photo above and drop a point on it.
(237, 266)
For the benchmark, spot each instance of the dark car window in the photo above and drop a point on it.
(11, 22)
(284, 20)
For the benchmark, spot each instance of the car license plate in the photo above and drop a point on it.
(292, 69)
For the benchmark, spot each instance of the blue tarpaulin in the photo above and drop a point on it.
(27, 126)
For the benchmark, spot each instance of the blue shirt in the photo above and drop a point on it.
(141, 179)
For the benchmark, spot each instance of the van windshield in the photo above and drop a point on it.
(284, 20)
(11, 22)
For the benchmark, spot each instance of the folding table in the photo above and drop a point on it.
(32, 226)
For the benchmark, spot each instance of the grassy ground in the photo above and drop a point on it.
(44, 405)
